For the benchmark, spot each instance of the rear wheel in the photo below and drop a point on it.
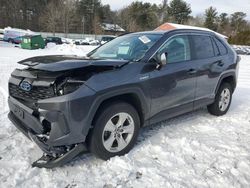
(222, 100)
(115, 130)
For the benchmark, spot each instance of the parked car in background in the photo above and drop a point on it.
(81, 42)
(55, 40)
(1, 34)
(242, 50)
(106, 39)
(67, 40)
(14, 35)
(17, 40)
(94, 42)
(87, 41)
(68, 105)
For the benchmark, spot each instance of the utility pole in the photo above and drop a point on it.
(83, 22)
(94, 17)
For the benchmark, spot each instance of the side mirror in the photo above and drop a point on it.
(162, 60)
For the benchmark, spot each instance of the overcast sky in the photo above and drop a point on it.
(198, 6)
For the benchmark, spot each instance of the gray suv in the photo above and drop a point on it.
(69, 105)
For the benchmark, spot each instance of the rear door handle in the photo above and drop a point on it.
(192, 71)
(220, 63)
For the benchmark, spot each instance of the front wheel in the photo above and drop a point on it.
(222, 101)
(115, 130)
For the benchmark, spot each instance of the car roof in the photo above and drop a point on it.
(149, 32)
(167, 31)
(163, 32)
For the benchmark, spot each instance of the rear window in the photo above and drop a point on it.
(222, 48)
(202, 46)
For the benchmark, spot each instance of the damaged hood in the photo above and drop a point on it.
(62, 63)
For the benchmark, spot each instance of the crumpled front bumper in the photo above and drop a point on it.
(22, 117)
(66, 121)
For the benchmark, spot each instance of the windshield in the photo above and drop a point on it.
(128, 47)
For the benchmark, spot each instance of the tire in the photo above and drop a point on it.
(108, 130)
(221, 104)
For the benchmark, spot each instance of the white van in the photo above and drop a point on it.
(14, 35)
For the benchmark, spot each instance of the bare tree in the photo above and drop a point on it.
(68, 11)
(162, 13)
(198, 20)
(14, 13)
(51, 16)
(238, 22)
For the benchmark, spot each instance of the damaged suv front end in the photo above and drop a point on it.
(50, 103)
(56, 100)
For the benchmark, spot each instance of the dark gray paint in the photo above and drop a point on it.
(172, 90)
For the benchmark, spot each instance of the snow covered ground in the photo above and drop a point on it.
(193, 150)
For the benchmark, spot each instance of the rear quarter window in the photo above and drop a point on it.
(202, 47)
(216, 48)
(221, 46)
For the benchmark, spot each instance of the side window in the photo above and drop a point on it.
(222, 48)
(178, 49)
(216, 49)
(203, 47)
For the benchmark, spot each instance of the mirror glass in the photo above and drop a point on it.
(163, 59)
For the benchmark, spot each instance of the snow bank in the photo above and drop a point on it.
(70, 49)
(193, 150)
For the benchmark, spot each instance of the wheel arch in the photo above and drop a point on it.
(230, 78)
(134, 97)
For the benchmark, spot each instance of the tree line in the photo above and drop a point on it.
(86, 16)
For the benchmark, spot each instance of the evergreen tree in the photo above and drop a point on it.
(142, 16)
(179, 11)
(211, 18)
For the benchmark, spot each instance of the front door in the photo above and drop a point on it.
(172, 87)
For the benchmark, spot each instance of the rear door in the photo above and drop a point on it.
(173, 86)
(209, 65)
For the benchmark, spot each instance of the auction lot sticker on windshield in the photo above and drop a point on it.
(144, 39)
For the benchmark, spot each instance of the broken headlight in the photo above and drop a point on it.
(68, 86)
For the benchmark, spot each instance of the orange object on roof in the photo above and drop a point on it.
(165, 26)
(171, 26)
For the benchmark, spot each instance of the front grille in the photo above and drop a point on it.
(36, 93)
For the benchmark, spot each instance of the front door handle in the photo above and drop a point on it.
(192, 71)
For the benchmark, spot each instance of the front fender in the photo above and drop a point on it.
(106, 95)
